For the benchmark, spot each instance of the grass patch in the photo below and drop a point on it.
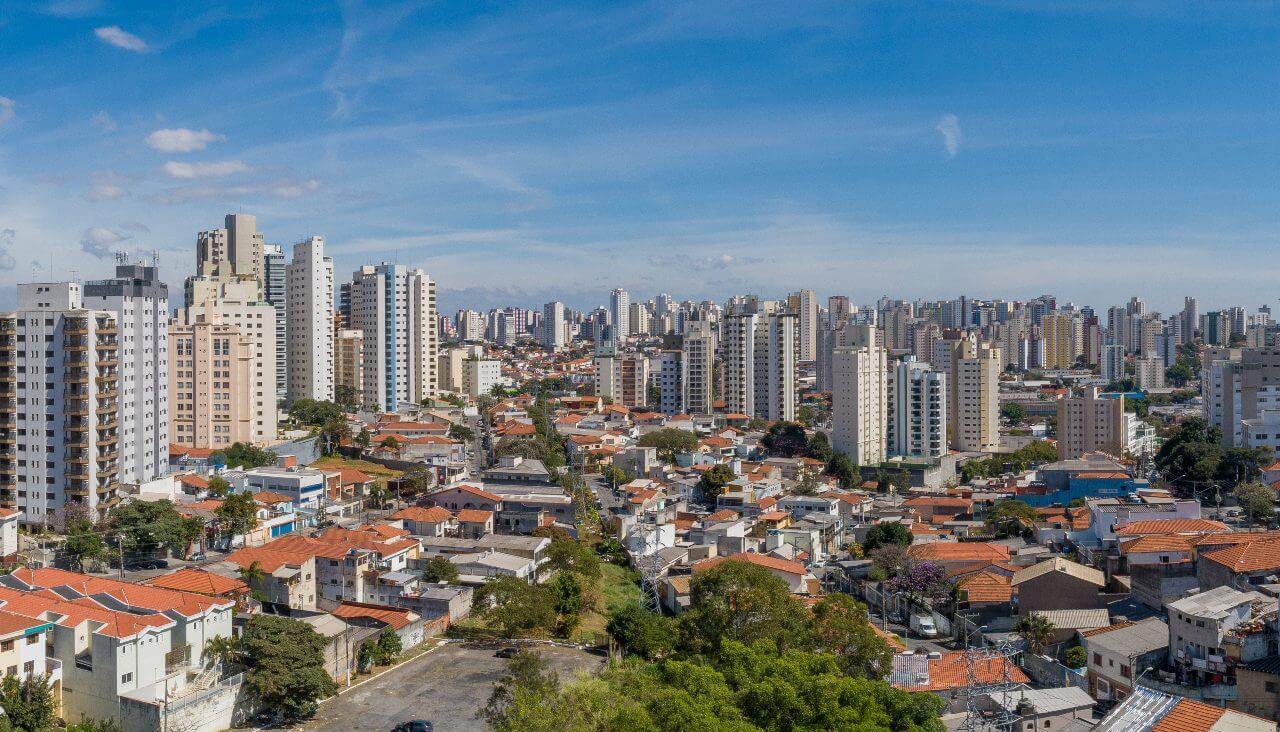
(616, 586)
(334, 462)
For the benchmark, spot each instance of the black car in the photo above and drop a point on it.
(139, 564)
(417, 725)
(507, 652)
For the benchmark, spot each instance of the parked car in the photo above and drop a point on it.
(923, 624)
(416, 725)
(140, 564)
(507, 652)
(196, 557)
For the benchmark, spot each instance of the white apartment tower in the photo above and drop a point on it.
(553, 326)
(858, 398)
(60, 407)
(973, 387)
(1112, 362)
(697, 364)
(806, 306)
(916, 413)
(273, 290)
(761, 351)
(140, 302)
(395, 308)
(620, 310)
(309, 323)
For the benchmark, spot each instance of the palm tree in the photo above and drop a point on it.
(1036, 631)
(222, 649)
(253, 573)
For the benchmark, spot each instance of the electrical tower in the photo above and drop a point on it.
(649, 563)
(989, 672)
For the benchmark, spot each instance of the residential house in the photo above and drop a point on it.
(1116, 657)
(1058, 584)
(797, 578)
(948, 673)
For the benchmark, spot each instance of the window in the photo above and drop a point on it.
(1124, 670)
(33, 639)
(126, 678)
(28, 667)
(6, 646)
(1271, 687)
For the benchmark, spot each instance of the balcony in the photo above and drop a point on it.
(76, 328)
(7, 437)
(78, 457)
(108, 422)
(75, 343)
(78, 437)
(78, 408)
(8, 419)
(76, 376)
(6, 358)
(77, 472)
(111, 361)
(107, 440)
(78, 487)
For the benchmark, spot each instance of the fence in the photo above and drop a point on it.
(1051, 674)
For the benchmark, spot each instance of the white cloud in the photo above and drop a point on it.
(214, 169)
(949, 128)
(6, 109)
(103, 120)
(98, 241)
(181, 139)
(120, 38)
(105, 192)
(295, 190)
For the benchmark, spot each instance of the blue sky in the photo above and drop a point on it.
(527, 151)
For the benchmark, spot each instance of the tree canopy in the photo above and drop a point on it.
(785, 439)
(669, 442)
(285, 659)
(440, 569)
(238, 514)
(245, 455)
(1256, 500)
(887, 532)
(144, 527)
(1007, 517)
(714, 480)
(1034, 453)
(1194, 454)
(315, 412)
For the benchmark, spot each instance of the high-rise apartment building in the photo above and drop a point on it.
(916, 410)
(697, 366)
(234, 252)
(553, 326)
(60, 411)
(274, 288)
(664, 377)
(859, 400)
(212, 374)
(806, 307)
(395, 309)
(620, 312)
(1055, 331)
(140, 302)
(1091, 423)
(973, 387)
(1148, 373)
(760, 360)
(1240, 385)
(348, 365)
(309, 322)
(640, 322)
(480, 375)
(1112, 363)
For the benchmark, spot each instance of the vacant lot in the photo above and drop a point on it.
(447, 686)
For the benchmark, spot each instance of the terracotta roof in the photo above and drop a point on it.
(1252, 557)
(952, 551)
(199, 582)
(1170, 526)
(351, 475)
(951, 672)
(1232, 538)
(939, 501)
(11, 623)
(395, 617)
(466, 488)
(385, 531)
(893, 640)
(986, 587)
(271, 497)
(773, 515)
(724, 514)
(7, 512)
(760, 560)
(1115, 626)
(187, 604)
(1157, 543)
(1189, 716)
(71, 613)
(433, 515)
(193, 480)
(474, 516)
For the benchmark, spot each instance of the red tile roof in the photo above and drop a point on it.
(1170, 526)
(760, 560)
(1252, 557)
(433, 515)
(987, 587)
(1156, 543)
(474, 516)
(71, 613)
(465, 488)
(1189, 716)
(271, 497)
(952, 551)
(199, 582)
(395, 617)
(158, 599)
(951, 672)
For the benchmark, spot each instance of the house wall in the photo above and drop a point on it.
(1057, 591)
(1259, 693)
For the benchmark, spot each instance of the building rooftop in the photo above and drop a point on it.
(1149, 635)
(1216, 603)
(1061, 566)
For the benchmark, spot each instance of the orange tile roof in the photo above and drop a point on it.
(193, 480)
(1232, 538)
(939, 501)
(208, 504)
(385, 531)
(7, 512)
(773, 515)
(760, 560)
(395, 617)
(1170, 526)
(269, 558)
(158, 599)
(987, 587)
(74, 612)
(893, 640)
(1099, 631)
(433, 515)
(199, 582)
(11, 623)
(1156, 543)
(466, 488)
(951, 672)
(351, 475)
(724, 514)
(1252, 557)
(953, 551)
(1189, 716)
(271, 497)
(474, 516)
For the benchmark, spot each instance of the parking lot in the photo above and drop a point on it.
(447, 686)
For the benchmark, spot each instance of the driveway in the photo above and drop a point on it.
(447, 686)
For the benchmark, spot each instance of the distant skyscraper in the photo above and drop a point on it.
(697, 366)
(140, 301)
(620, 311)
(395, 309)
(760, 354)
(810, 324)
(1112, 362)
(232, 252)
(1055, 329)
(309, 324)
(553, 326)
(273, 289)
(973, 386)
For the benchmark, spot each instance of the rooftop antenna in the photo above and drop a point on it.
(122, 257)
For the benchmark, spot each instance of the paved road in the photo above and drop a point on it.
(447, 686)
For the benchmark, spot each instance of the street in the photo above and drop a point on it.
(446, 686)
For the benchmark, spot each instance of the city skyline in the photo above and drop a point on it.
(977, 148)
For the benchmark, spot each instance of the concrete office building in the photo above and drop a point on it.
(274, 288)
(858, 399)
(212, 377)
(395, 309)
(309, 323)
(60, 407)
(973, 387)
(916, 410)
(697, 364)
(140, 302)
(1091, 423)
(553, 326)
(348, 363)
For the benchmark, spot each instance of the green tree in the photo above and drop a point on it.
(515, 606)
(246, 456)
(389, 646)
(528, 676)
(736, 600)
(615, 476)
(842, 627)
(237, 515)
(1242, 464)
(333, 432)
(1257, 501)
(669, 441)
(218, 486)
(1013, 411)
(1179, 374)
(145, 527)
(1036, 631)
(415, 481)
(785, 439)
(285, 660)
(819, 447)
(461, 432)
(714, 480)
(224, 650)
(1077, 657)
(390, 443)
(362, 439)
(84, 542)
(638, 631)
(567, 554)
(314, 412)
(888, 561)
(440, 569)
(1008, 516)
(346, 395)
(887, 532)
(842, 468)
(568, 598)
(28, 704)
